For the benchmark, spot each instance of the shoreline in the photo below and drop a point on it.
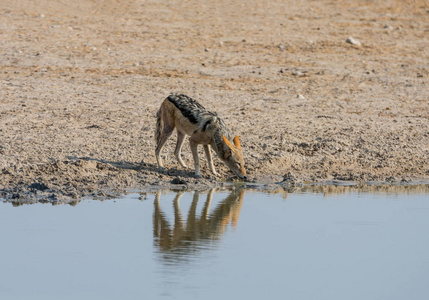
(327, 189)
(45, 192)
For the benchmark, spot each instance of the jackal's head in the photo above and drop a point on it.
(235, 161)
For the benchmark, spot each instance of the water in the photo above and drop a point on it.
(219, 245)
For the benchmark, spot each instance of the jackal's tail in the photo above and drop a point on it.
(159, 126)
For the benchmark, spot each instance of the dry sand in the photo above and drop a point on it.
(81, 82)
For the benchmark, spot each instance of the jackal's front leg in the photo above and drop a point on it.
(195, 155)
(210, 159)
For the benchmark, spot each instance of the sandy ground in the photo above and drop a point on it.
(81, 81)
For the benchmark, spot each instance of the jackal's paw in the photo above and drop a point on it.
(198, 176)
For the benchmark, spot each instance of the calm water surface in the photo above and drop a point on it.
(218, 245)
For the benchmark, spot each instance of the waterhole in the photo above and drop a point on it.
(237, 244)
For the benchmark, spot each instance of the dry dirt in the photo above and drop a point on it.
(81, 82)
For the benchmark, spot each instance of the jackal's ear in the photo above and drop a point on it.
(237, 142)
(228, 143)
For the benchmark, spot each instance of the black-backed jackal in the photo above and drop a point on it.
(204, 127)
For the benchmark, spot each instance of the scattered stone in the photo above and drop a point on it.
(93, 127)
(288, 180)
(299, 73)
(73, 195)
(405, 180)
(390, 179)
(281, 47)
(299, 96)
(177, 180)
(6, 171)
(353, 41)
(38, 186)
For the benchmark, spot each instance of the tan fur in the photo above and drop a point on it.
(203, 127)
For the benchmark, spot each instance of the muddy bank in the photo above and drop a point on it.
(80, 84)
(32, 196)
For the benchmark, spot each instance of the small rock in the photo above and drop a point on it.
(405, 180)
(299, 73)
(388, 27)
(177, 180)
(299, 96)
(72, 195)
(6, 171)
(289, 180)
(390, 179)
(38, 186)
(353, 41)
(281, 47)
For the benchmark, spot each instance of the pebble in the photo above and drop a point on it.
(281, 47)
(353, 41)
(177, 180)
(299, 73)
(299, 96)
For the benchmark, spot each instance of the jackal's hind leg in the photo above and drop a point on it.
(177, 151)
(195, 155)
(210, 159)
(164, 135)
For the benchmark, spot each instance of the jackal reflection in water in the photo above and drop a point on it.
(187, 236)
